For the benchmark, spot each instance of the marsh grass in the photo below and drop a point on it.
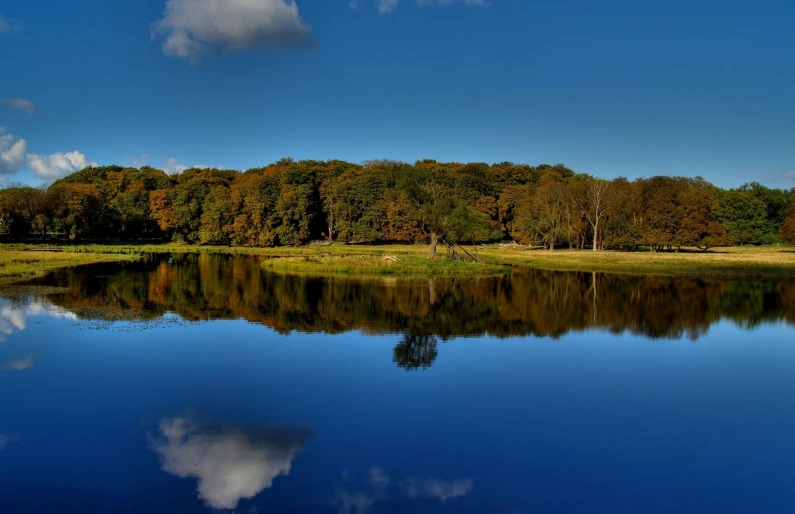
(22, 262)
(19, 263)
(386, 265)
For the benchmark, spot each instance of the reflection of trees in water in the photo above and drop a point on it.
(529, 302)
(415, 351)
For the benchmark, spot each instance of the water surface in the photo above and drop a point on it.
(199, 383)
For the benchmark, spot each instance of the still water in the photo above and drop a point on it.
(202, 384)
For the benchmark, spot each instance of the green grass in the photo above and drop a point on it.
(386, 265)
(21, 262)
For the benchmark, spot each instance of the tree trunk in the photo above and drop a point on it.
(596, 237)
(434, 240)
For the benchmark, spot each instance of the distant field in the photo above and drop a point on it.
(738, 261)
(22, 262)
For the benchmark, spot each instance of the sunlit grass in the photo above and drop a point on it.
(731, 261)
(19, 263)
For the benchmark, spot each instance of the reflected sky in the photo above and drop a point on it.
(15, 318)
(195, 418)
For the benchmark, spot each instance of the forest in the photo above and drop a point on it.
(291, 203)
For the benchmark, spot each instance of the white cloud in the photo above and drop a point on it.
(14, 156)
(438, 489)
(19, 365)
(19, 103)
(13, 153)
(57, 165)
(387, 6)
(193, 27)
(448, 2)
(231, 464)
(173, 167)
(140, 161)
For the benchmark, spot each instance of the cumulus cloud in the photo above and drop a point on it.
(19, 365)
(19, 103)
(13, 152)
(194, 27)
(14, 157)
(57, 165)
(387, 6)
(140, 161)
(231, 464)
(172, 167)
(439, 489)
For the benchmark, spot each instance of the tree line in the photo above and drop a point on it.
(294, 202)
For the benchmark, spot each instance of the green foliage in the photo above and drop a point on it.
(217, 217)
(753, 213)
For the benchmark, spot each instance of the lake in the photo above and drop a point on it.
(201, 383)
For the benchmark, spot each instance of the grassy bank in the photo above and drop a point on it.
(19, 262)
(23, 262)
(745, 261)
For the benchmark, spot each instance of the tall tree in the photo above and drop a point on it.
(594, 206)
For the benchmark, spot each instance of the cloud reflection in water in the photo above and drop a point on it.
(19, 365)
(230, 463)
(15, 318)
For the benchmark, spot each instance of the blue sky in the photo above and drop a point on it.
(611, 88)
